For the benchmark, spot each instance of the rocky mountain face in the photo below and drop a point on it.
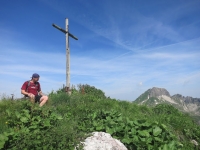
(187, 99)
(156, 96)
(189, 104)
(155, 92)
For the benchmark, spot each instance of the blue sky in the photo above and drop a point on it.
(124, 47)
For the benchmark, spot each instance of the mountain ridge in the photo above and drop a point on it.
(155, 96)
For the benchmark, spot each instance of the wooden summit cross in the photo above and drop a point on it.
(67, 34)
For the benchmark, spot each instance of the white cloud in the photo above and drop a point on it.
(171, 56)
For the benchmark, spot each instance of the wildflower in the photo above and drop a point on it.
(6, 122)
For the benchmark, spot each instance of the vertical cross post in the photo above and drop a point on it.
(67, 34)
(67, 58)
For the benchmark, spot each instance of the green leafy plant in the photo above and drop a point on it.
(32, 120)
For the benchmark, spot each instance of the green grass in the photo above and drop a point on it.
(66, 120)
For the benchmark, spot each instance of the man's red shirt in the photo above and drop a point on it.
(33, 88)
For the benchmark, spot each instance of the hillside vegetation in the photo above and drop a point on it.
(67, 120)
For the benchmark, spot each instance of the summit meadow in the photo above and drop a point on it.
(67, 120)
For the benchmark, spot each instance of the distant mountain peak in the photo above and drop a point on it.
(156, 92)
(178, 96)
(155, 96)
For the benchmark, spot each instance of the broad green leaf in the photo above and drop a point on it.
(127, 128)
(94, 115)
(17, 114)
(122, 125)
(146, 124)
(3, 137)
(127, 120)
(38, 137)
(157, 131)
(119, 119)
(8, 112)
(26, 111)
(38, 118)
(149, 147)
(24, 119)
(143, 133)
(111, 122)
(135, 138)
(131, 123)
(25, 130)
(164, 126)
(109, 130)
(2, 144)
(180, 145)
(99, 128)
(7, 134)
(135, 122)
(95, 123)
(108, 118)
(165, 147)
(33, 127)
(158, 139)
(126, 141)
(149, 140)
(142, 139)
(28, 116)
(59, 117)
(47, 123)
(133, 131)
(119, 128)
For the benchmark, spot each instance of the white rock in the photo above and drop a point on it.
(194, 142)
(102, 141)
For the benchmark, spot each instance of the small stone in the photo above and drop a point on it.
(194, 142)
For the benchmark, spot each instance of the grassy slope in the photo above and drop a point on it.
(78, 106)
(142, 97)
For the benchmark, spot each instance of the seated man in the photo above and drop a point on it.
(32, 90)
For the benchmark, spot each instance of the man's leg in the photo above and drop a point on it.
(43, 100)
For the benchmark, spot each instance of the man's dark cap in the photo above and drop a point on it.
(35, 75)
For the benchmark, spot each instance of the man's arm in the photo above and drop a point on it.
(39, 90)
(26, 93)
(40, 93)
(24, 88)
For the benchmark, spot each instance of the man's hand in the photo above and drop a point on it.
(31, 95)
(40, 93)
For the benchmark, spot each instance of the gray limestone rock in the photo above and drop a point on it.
(102, 141)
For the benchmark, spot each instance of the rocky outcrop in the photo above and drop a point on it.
(187, 99)
(102, 141)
